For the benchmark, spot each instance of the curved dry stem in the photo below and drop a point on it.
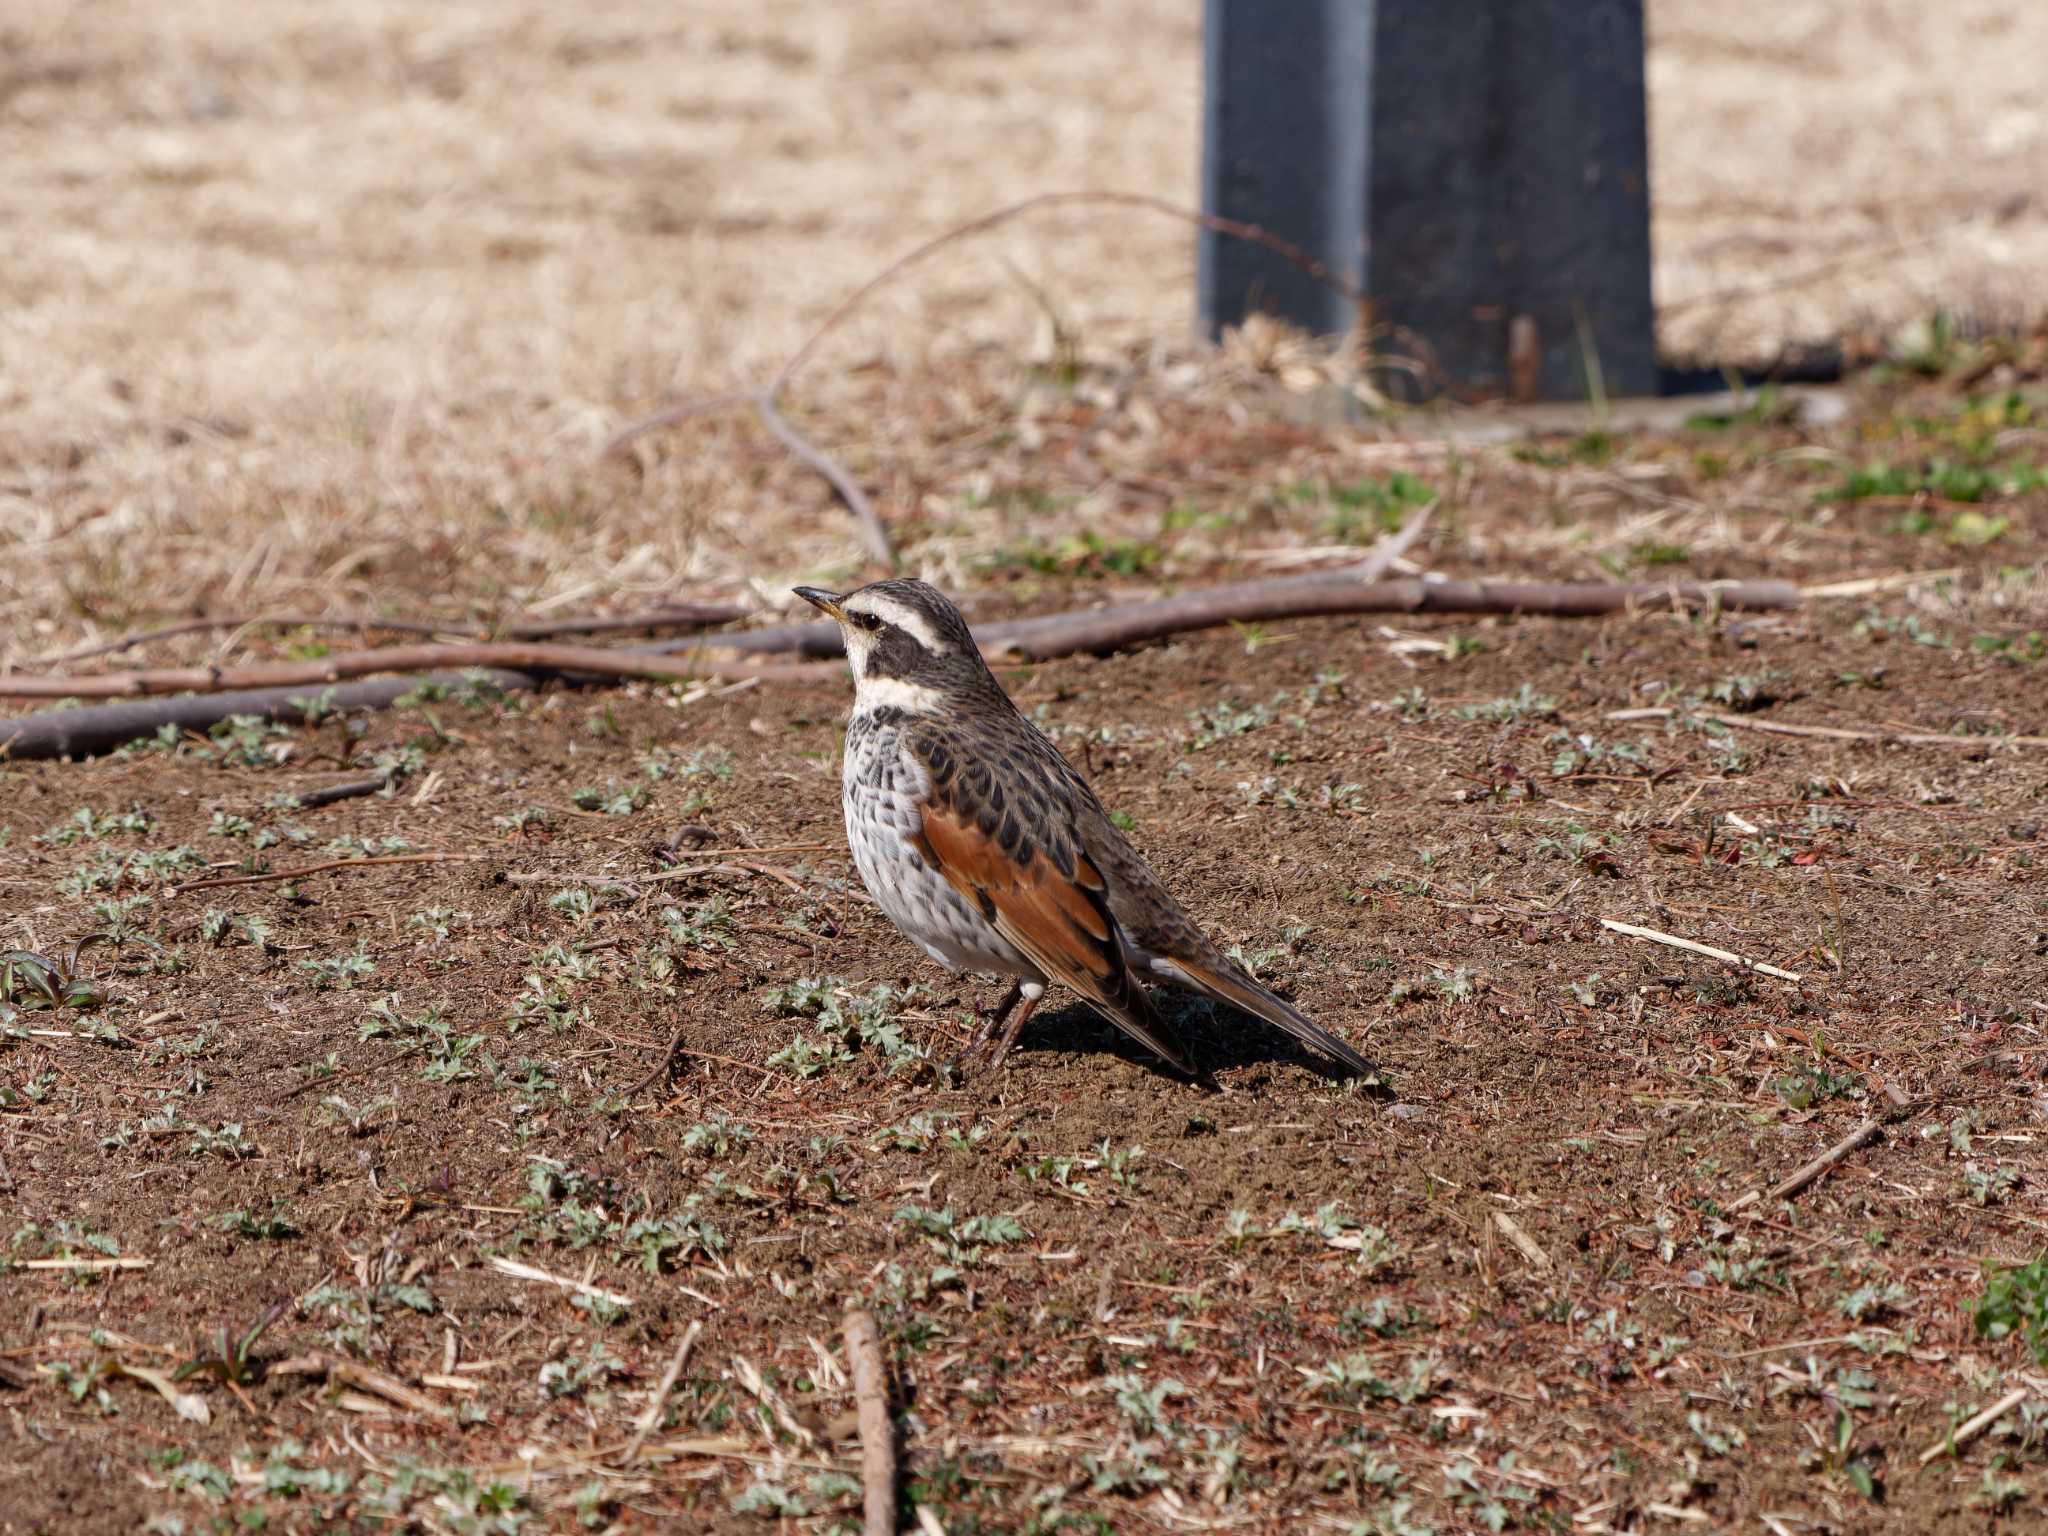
(764, 401)
(876, 537)
(1236, 229)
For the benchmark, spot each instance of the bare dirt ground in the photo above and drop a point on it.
(326, 309)
(1517, 1288)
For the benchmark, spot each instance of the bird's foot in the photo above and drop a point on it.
(988, 1023)
(1010, 1034)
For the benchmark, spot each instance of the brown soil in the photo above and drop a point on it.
(1302, 1305)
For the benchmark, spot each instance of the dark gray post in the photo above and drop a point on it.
(1479, 168)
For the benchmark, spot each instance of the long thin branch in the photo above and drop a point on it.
(1971, 1428)
(766, 402)
(1836, 732)
(877, 1430)
(1808, 1171)
(849, 491)
(659, 1398)
(276, 692)
(1323, 595)
(1726, 957)
(102, 727)
(1318, 594)
(672, 616)
(334, 794)
(527, 656)
(326, 867)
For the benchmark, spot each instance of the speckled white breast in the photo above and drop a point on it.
(882, 784)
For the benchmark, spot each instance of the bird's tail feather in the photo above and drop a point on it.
(1225, 983)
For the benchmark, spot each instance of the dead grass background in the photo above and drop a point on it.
(333, 303)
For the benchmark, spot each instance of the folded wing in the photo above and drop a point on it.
(1061, 921)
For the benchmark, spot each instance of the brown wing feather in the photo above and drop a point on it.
(1155, 923)
(1063, 924)
(1227, 984)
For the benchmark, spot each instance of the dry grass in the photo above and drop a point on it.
(1860, 163)
(334, 303)
(351, 291)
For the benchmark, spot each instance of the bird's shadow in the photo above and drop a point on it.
(1219, 1038)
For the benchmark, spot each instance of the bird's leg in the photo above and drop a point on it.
(1016, 1028)
(989, 1024)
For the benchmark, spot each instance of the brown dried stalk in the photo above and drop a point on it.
(277, 691)
(671, 616)
(521, 655)
(364, 1378)
(877, 1431)
(1110, 629)
(101, 728)
(1837, 732)
(766, 402)
(1323, 594)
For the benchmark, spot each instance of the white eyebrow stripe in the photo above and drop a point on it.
(902, 615)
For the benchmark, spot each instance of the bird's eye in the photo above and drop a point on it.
(868, 620)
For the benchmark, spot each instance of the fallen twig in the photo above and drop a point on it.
(327, 867)
(1525, 1245)
(1320, 594)
(673, 616)
(1834, 732)
(750, 1377)
(187, 1405)
(652, 1416)
(659, 876)
(843, 485)
(1328, 594)
(1870, 586)
(877, 1431)
(1382, 557)
(716, 1447)
(766, 402)
(100, 728)
(1975, 1425)
(1324, 593)
(1807, 1172)
(334, 794)
(1726, 956)
(353, 1373)
(520, 1271)
(661, 1068)
(83, 1266)
(594, 661)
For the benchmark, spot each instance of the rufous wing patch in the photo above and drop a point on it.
(1063, 925)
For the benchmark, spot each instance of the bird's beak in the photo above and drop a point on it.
(819, 598)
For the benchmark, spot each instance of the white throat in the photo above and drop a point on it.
(872, 693)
